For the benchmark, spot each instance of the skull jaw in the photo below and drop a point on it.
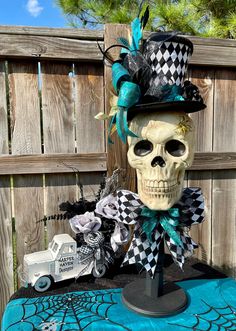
(160, 198)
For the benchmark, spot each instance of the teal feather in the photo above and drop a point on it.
(124, 42)
(145, 17)
(136, 34)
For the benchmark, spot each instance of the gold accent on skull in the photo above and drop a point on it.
(184, 126)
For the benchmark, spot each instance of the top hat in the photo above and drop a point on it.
(151, 78)
(165, 59)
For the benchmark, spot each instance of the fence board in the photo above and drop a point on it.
(224, 185)
(52, 32)
(116, 153)
(6, 257)
(52, 163)
(89, 100)
(96, 162)
(204, 79)
(26, 139)
(42, 47)
(58, 134)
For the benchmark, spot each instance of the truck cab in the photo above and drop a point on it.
(59, 262)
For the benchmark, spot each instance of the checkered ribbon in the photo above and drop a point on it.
(141, 250)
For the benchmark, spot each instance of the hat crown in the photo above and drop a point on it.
(167, 56)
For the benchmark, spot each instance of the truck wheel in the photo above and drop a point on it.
(101, 269)
(43, 284)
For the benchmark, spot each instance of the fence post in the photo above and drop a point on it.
(117, 152)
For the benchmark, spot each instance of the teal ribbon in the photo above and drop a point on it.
(119, 75)
(128, 95)
(128, 92)
(169, 220)
(172, 93)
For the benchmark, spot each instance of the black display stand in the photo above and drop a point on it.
(153, 297)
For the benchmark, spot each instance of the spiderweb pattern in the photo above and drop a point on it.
(73, 311)
(213, 319)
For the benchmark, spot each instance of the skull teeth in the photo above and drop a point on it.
(159, 187)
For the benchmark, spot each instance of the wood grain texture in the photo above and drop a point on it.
(204, 79)
(95, 162)
(50, 43)
(52, 32)
(89, 101)
(6, 256)
(42, 47)
(225, 111)
(214, 161)
(25, 108)
(90, 137)
(97, 34)
(52, 163)
(202, 233)
(59, 137)
(214, 56)
(3, 111)
(26, 139)
(224, 185)
(224, 221)
(117, 152)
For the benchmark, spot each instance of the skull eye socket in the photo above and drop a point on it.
(175, 147)
(143, 148)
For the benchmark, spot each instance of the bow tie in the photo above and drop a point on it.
(169, 220)
(153, 226)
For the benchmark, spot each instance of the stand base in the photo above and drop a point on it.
(173, 300)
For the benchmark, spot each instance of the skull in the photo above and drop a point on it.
(162, 152)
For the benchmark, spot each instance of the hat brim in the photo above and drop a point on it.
(186, 106)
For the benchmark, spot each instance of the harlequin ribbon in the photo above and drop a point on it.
(169, 220)
(190, 207)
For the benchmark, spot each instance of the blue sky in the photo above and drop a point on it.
(31, 13)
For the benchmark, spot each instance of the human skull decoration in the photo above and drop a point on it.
(162, 152)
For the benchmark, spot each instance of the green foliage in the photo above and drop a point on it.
(208, 18)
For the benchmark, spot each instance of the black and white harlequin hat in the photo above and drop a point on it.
(150, 76)
(168, 59)
(161, 76)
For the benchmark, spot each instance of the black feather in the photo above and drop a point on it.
(145, 17)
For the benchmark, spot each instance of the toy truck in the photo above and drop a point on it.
(59, 262)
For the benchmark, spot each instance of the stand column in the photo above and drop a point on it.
(154, 297)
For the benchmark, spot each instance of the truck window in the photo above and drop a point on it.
(54, 248)
(68, 249)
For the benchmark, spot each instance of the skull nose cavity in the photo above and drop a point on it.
(158, 160)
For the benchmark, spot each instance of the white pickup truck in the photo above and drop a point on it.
(59, 262)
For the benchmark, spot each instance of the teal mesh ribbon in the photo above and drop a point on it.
(169, 220)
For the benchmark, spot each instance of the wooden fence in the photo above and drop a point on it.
(52, 83)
